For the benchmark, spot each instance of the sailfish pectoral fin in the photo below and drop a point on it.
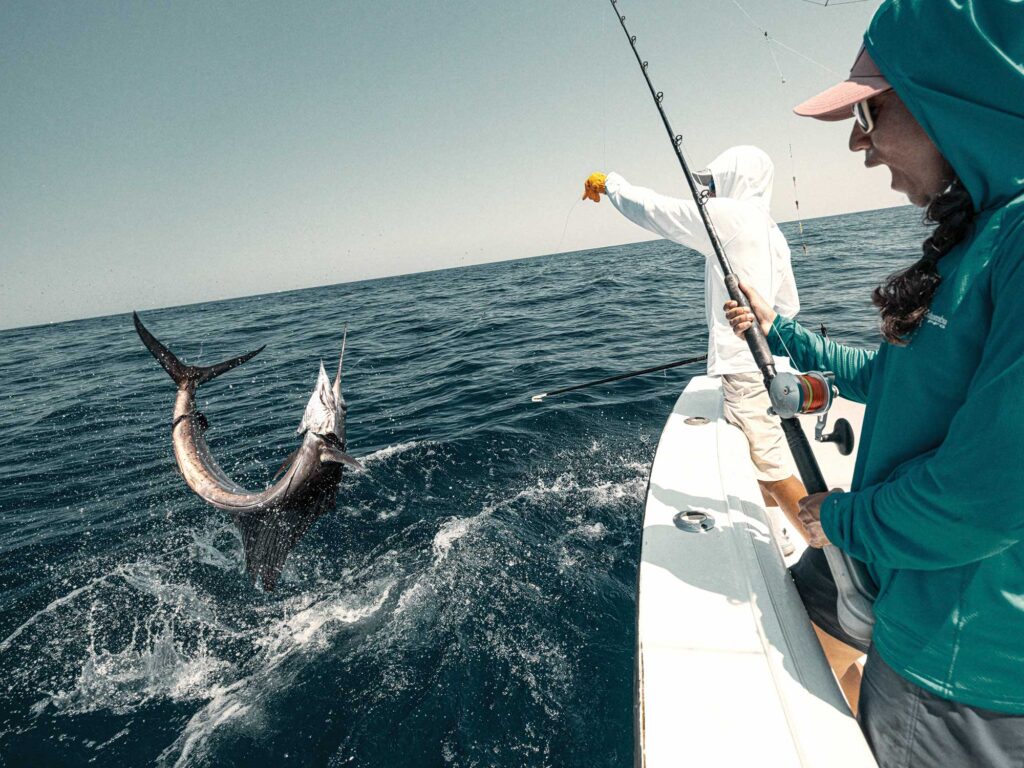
(329, 455)
(287, 463)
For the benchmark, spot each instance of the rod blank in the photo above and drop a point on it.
(619, 377)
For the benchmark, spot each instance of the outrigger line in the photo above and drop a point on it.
(770, 41)
(790, 394)
(796, 201)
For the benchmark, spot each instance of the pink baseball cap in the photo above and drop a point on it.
(837, 102)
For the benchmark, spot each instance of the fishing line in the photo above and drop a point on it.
(566, 227)
(796, 200)
(620, 377)
(792, 161)
(604, 90)
(771, 40)
(767, 39)
(775, 59)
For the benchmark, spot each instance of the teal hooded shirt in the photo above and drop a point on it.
(936, 508)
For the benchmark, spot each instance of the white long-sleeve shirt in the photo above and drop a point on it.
(756, 249)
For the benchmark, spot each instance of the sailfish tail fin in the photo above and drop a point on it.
(197, 374)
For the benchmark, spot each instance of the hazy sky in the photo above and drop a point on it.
(155, 154)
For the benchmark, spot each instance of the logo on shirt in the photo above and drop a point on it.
(937, 320)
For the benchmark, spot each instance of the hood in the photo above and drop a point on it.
(744, 173)
(958, 65)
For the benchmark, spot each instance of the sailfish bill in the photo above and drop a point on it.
(273, 520)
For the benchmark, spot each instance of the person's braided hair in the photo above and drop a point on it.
(905, 296)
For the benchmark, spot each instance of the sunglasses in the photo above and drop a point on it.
(863, 115)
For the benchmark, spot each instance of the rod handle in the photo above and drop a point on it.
(754, 336)
(856, 594)
(853, 583)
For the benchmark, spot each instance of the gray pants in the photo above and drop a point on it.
(908, 727)
(905, 725)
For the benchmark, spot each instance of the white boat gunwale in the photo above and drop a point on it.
(782, 699)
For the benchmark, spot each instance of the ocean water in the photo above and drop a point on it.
(471, 601)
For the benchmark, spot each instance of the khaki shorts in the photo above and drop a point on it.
(746, 406)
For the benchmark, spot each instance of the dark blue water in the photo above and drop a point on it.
(470, 603)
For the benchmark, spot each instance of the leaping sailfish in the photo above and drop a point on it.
(271, 521)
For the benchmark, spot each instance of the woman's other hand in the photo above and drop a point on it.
(810, 518)
(741, 318)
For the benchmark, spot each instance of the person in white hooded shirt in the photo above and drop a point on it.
(739, 183)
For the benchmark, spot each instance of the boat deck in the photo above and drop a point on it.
(729, 672)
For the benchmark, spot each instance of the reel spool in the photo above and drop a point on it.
(811, 393)
(802, 393)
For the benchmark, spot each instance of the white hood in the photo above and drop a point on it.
(756, 248)
(744, 173)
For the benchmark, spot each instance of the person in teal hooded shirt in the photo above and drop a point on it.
(936, 507)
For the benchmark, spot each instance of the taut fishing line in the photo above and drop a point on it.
(566, 227)
(604, 138)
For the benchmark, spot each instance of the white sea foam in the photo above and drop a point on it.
(451, 531)
(300, 631)
(603, 494)
(598, 494)
(303, 627)
(389, 451)
(153, 665)
(592, 531)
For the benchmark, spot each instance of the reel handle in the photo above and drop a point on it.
(841, 435)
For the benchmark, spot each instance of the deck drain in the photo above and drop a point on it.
(696, 421)
(693, 521)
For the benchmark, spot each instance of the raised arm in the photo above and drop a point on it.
(669, 217)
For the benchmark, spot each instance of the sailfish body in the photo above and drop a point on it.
(271, 521)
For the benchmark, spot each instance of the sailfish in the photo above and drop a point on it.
(271, 521)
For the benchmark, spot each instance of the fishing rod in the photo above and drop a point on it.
(791, 394)
(620, 377)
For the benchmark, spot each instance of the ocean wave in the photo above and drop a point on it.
(452, 530)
